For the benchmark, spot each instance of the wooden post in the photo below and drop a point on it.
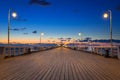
(118, 52)
(4, 51)
(97, 50)
(101, 51)
(14, 51)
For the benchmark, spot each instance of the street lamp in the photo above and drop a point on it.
(41, 34)
(14, 15)
(80, 35)
(106, 15)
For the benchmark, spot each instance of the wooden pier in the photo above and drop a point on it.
(60, 64)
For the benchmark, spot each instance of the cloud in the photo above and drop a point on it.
(34, 32)
(63, 40)
(25, 33)
(23, 28)
(60, 38)
(18, 29)
(19, 19)
(39, 2)
(15, 29)
(68, 39)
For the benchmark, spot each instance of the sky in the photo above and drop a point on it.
(60, 19)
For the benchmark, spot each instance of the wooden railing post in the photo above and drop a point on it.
(118, 52)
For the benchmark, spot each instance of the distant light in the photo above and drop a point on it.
(105, 15)
(42, 33)
(79, 34)
(14, 14)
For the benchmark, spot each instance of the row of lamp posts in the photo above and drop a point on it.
(14, 15)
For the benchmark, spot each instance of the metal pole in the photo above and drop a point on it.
(9, 31)
(111, 32)
(40, 38)
(81, 38)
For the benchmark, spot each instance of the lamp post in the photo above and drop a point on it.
(106, 16)
(14, 15)
(80, 35)
(41, 34)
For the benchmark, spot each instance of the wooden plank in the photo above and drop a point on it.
(60, 64)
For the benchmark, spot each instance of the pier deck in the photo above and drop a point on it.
(60, 64)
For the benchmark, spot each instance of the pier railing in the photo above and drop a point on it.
(100, 50)
(18, 50)
(13, 51)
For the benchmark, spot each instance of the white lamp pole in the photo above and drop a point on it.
(14, 15)
(41, 34)
(106, 16)
(80, 36)
(9, 28)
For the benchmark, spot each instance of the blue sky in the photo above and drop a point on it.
(63, 18)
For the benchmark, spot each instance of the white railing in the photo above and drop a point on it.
(101, 50)
(118, 52)
(14, 51)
